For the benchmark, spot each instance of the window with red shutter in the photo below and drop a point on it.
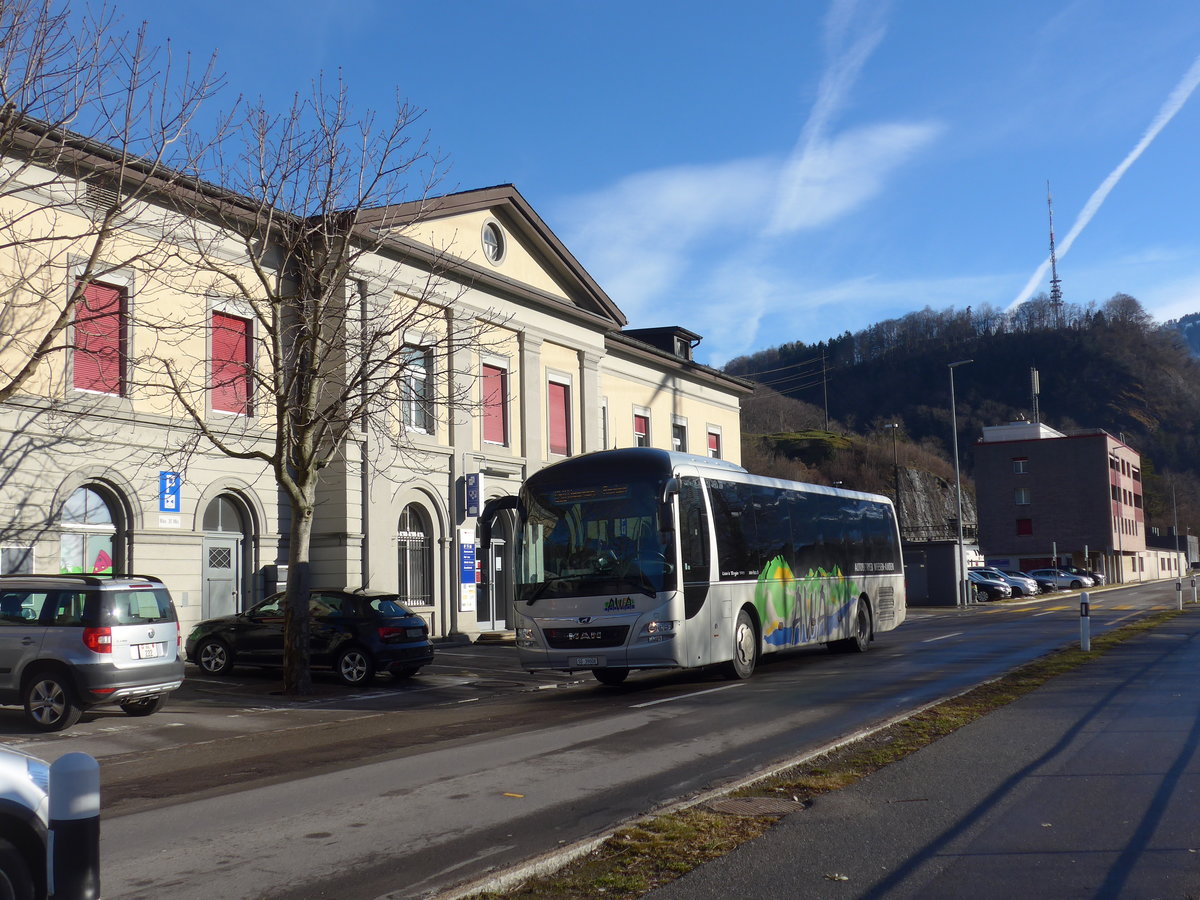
(100, 349)
(495, 405)
(641, 430)
(714, 445)
(560, 418)
(230, 364)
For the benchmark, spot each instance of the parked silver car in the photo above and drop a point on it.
(1060, 579)
(1022, 585)
(1097, 578)
(71, 642)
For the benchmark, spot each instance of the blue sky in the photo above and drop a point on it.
(772, 171)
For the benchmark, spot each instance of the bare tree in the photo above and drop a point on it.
(92, 125)
(308, 241)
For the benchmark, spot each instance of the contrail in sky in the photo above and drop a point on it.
(1174, 103)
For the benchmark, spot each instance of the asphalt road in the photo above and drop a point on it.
(408, 789)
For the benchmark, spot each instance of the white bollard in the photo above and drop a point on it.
(1179, 593)
(1193, 590)
(1085, 623)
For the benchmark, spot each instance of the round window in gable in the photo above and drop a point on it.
(494, 244)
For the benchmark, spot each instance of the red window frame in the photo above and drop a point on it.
(100, 339)
(230, 370)
(1024, 526)
(495, 405)
(559, 402)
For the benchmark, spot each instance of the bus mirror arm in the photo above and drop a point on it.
(487, 516)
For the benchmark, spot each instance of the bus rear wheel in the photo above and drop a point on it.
(610, 676)
(745, 647)
(862, 632)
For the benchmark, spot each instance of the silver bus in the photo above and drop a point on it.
(648, 559)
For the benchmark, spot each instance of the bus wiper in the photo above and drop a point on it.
(541, 588)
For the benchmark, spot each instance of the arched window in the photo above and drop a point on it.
(88, 541)
(223, 515)
(415, 557)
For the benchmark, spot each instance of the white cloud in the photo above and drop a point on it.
(715, 247)
(833, 178)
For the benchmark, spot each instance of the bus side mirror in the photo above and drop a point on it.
(670, 489)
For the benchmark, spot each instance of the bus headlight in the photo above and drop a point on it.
(654, 632)
(525, 637)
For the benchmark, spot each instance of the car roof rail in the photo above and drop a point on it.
(90, 578)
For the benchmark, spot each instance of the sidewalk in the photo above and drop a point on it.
(1087, 787)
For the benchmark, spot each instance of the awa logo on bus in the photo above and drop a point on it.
(625, 603)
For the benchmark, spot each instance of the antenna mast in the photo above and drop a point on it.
(1055, 284)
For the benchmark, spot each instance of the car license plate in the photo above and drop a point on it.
(586, 662)
(149, 651)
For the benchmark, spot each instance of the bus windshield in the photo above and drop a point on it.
(588, 540)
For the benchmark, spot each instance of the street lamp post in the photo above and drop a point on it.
(894, 427)
(962, 553)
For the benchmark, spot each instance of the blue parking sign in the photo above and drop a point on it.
(168, 491)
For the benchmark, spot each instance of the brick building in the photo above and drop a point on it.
(1047, 497)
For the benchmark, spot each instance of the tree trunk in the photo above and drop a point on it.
(297, 675)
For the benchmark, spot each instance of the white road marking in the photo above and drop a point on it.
(941, 637)
(685, 696)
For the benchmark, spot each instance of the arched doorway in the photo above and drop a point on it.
(92, 539)
(223, 573)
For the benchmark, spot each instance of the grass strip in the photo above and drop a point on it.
(655, 851)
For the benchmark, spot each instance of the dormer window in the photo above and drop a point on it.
(683, 347)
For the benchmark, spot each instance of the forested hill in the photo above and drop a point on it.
(1189, 327)
(1110, 367)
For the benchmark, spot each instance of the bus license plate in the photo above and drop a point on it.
(586, 662)
(149, 651)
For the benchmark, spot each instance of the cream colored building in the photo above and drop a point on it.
(89, 474)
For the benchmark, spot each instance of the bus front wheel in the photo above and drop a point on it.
(745, 647)
(610, 676)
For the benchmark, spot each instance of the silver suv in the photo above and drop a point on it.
(71, 642)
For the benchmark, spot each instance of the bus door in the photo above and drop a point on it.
(695, 545)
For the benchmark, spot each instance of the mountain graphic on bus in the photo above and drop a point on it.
(797, 611)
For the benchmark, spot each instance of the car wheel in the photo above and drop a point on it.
(16, 880)
(144, 706)
(355, 666)
(610, 675)
(403, 673)
(1076, 585)
(745, 647)
(862, 632)
(214, 657)
(49, 703)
